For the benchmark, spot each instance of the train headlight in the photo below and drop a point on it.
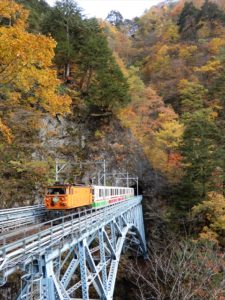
(55, 199)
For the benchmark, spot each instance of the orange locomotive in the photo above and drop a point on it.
(67, 197)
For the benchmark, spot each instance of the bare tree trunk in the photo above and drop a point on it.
(67, 71)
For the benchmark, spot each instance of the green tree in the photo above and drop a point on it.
(83, 48)
(102, 84)
(64, 23)
(211, 13)
(199, 148)
(200, 139)
(110, 90)
(187, 21)
(192, 95)
(37, 12)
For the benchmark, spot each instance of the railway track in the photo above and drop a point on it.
(13, 218)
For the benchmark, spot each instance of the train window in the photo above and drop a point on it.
(100, 193)
(56, 191)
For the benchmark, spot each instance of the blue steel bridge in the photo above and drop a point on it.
(69, 257)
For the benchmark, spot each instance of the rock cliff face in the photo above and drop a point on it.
(97, 139)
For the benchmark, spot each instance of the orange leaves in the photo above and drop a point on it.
(6, 132)
(156, 128)
(174, 160)
(14, 12)
(26, 64)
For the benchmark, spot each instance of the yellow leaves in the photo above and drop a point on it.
(170, 33)
(208, 235)
(160, 62)
(212, 212)
(170, 135)
(163, 50)
(212, 66)
(215, 45)
(15, 13)
(186, 52)
(121, 64)
(26, 64)
(184, 83)
(22, 52)
(6, 132)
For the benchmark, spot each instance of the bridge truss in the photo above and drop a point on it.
(77, 258)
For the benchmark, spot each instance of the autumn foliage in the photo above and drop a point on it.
(27, 76)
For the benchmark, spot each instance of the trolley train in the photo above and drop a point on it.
(69, 196)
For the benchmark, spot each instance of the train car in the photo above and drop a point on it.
(67, 196)
(107, 195)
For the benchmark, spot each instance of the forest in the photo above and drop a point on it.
(160, 77)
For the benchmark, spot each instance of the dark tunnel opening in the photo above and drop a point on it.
(138, 191)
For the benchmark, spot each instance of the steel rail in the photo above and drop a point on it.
(12, 218)
(11, 213)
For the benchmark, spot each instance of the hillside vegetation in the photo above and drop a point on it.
(177, 51)
(162, 76)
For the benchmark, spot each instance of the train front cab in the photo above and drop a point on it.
(63, 197)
